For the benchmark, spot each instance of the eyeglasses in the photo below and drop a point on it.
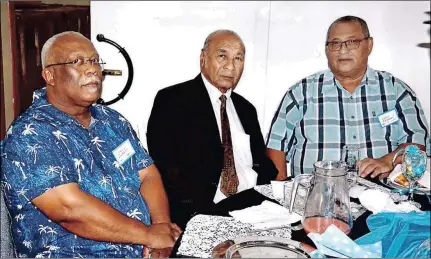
(350, 44)
(80, 62)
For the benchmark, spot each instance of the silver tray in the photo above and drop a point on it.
(393, 185)
(260, 247)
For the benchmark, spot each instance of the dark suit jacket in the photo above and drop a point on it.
(183, 140)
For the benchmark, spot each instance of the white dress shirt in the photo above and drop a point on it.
(247, 177)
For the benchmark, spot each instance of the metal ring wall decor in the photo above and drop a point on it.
(105, 72)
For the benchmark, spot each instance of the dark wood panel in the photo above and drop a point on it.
(2, 107)
(33, 27)
(15, 60)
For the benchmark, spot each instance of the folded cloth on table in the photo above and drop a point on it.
(377, 201)
(267, 215)
(278, 189)
(423, 181)
(399, 233)
(334, 242)
(239, 201)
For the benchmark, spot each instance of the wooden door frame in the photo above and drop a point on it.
(10, 51)
(2, 99)
(12, 6)
(14, 51)
(7, 65)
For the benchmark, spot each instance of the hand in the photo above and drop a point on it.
(376, 167)
(177, 229)
(173, 230)
(162, 235)
(157, 253)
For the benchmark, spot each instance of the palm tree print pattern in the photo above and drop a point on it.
(20, 165)
(78, 166)
(29, 130)
(33, 150)
(97, 142)
(55, 149)
(120, 168)
(62, 137)
(107, 180)
(89, 153)
(134, 214)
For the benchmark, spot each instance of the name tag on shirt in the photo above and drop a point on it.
(388, 118)
(123, 152)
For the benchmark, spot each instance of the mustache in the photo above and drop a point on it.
(92, 80)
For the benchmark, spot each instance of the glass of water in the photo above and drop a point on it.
(350, 155)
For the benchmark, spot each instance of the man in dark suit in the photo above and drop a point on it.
(206, 140)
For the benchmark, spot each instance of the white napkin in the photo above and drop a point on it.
(377, 201)
(267, 215)
(278, 189)
(424, 180)
(355, 191)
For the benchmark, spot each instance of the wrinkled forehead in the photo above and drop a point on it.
(227, 41)
(71, 46)
(345, 30)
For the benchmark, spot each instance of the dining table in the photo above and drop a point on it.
(204, 232)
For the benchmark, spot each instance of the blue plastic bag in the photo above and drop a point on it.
(400, 233)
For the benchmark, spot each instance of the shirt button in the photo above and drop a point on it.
(354, 136)
(352, 117)
(351, 97)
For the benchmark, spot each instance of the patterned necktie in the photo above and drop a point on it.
(229, 178)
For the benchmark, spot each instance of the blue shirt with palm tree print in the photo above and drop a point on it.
(45, 148)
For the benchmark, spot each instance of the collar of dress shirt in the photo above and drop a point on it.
(213, 92)
(370, 79)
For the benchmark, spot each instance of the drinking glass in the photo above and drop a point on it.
(350, 155)
(413, 166)
(301, 196)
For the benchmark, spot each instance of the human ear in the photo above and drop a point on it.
(48, 76)
(370, 45)
(202, 59)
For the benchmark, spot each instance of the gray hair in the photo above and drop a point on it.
(46, 52)
(350, 19)
(215, 33)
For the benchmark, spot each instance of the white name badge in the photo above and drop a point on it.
(123, 152)
(388, 118)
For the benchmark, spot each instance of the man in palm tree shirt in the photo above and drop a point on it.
(77, 181)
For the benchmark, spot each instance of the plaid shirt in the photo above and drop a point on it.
(317, 117)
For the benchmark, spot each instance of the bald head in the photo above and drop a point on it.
(216, 33)
(48, 53)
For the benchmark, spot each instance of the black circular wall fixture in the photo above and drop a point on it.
(126, 56)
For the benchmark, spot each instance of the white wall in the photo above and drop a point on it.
(284, 43)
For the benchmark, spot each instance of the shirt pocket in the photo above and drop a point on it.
(241, 148)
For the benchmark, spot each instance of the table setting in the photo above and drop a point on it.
(330, 213)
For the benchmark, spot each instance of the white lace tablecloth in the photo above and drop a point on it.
(204, 232)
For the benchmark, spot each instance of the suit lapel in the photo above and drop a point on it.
(203, 108)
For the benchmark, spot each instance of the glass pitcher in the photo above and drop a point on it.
(328, 200)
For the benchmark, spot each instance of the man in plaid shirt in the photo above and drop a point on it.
(348, 104)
